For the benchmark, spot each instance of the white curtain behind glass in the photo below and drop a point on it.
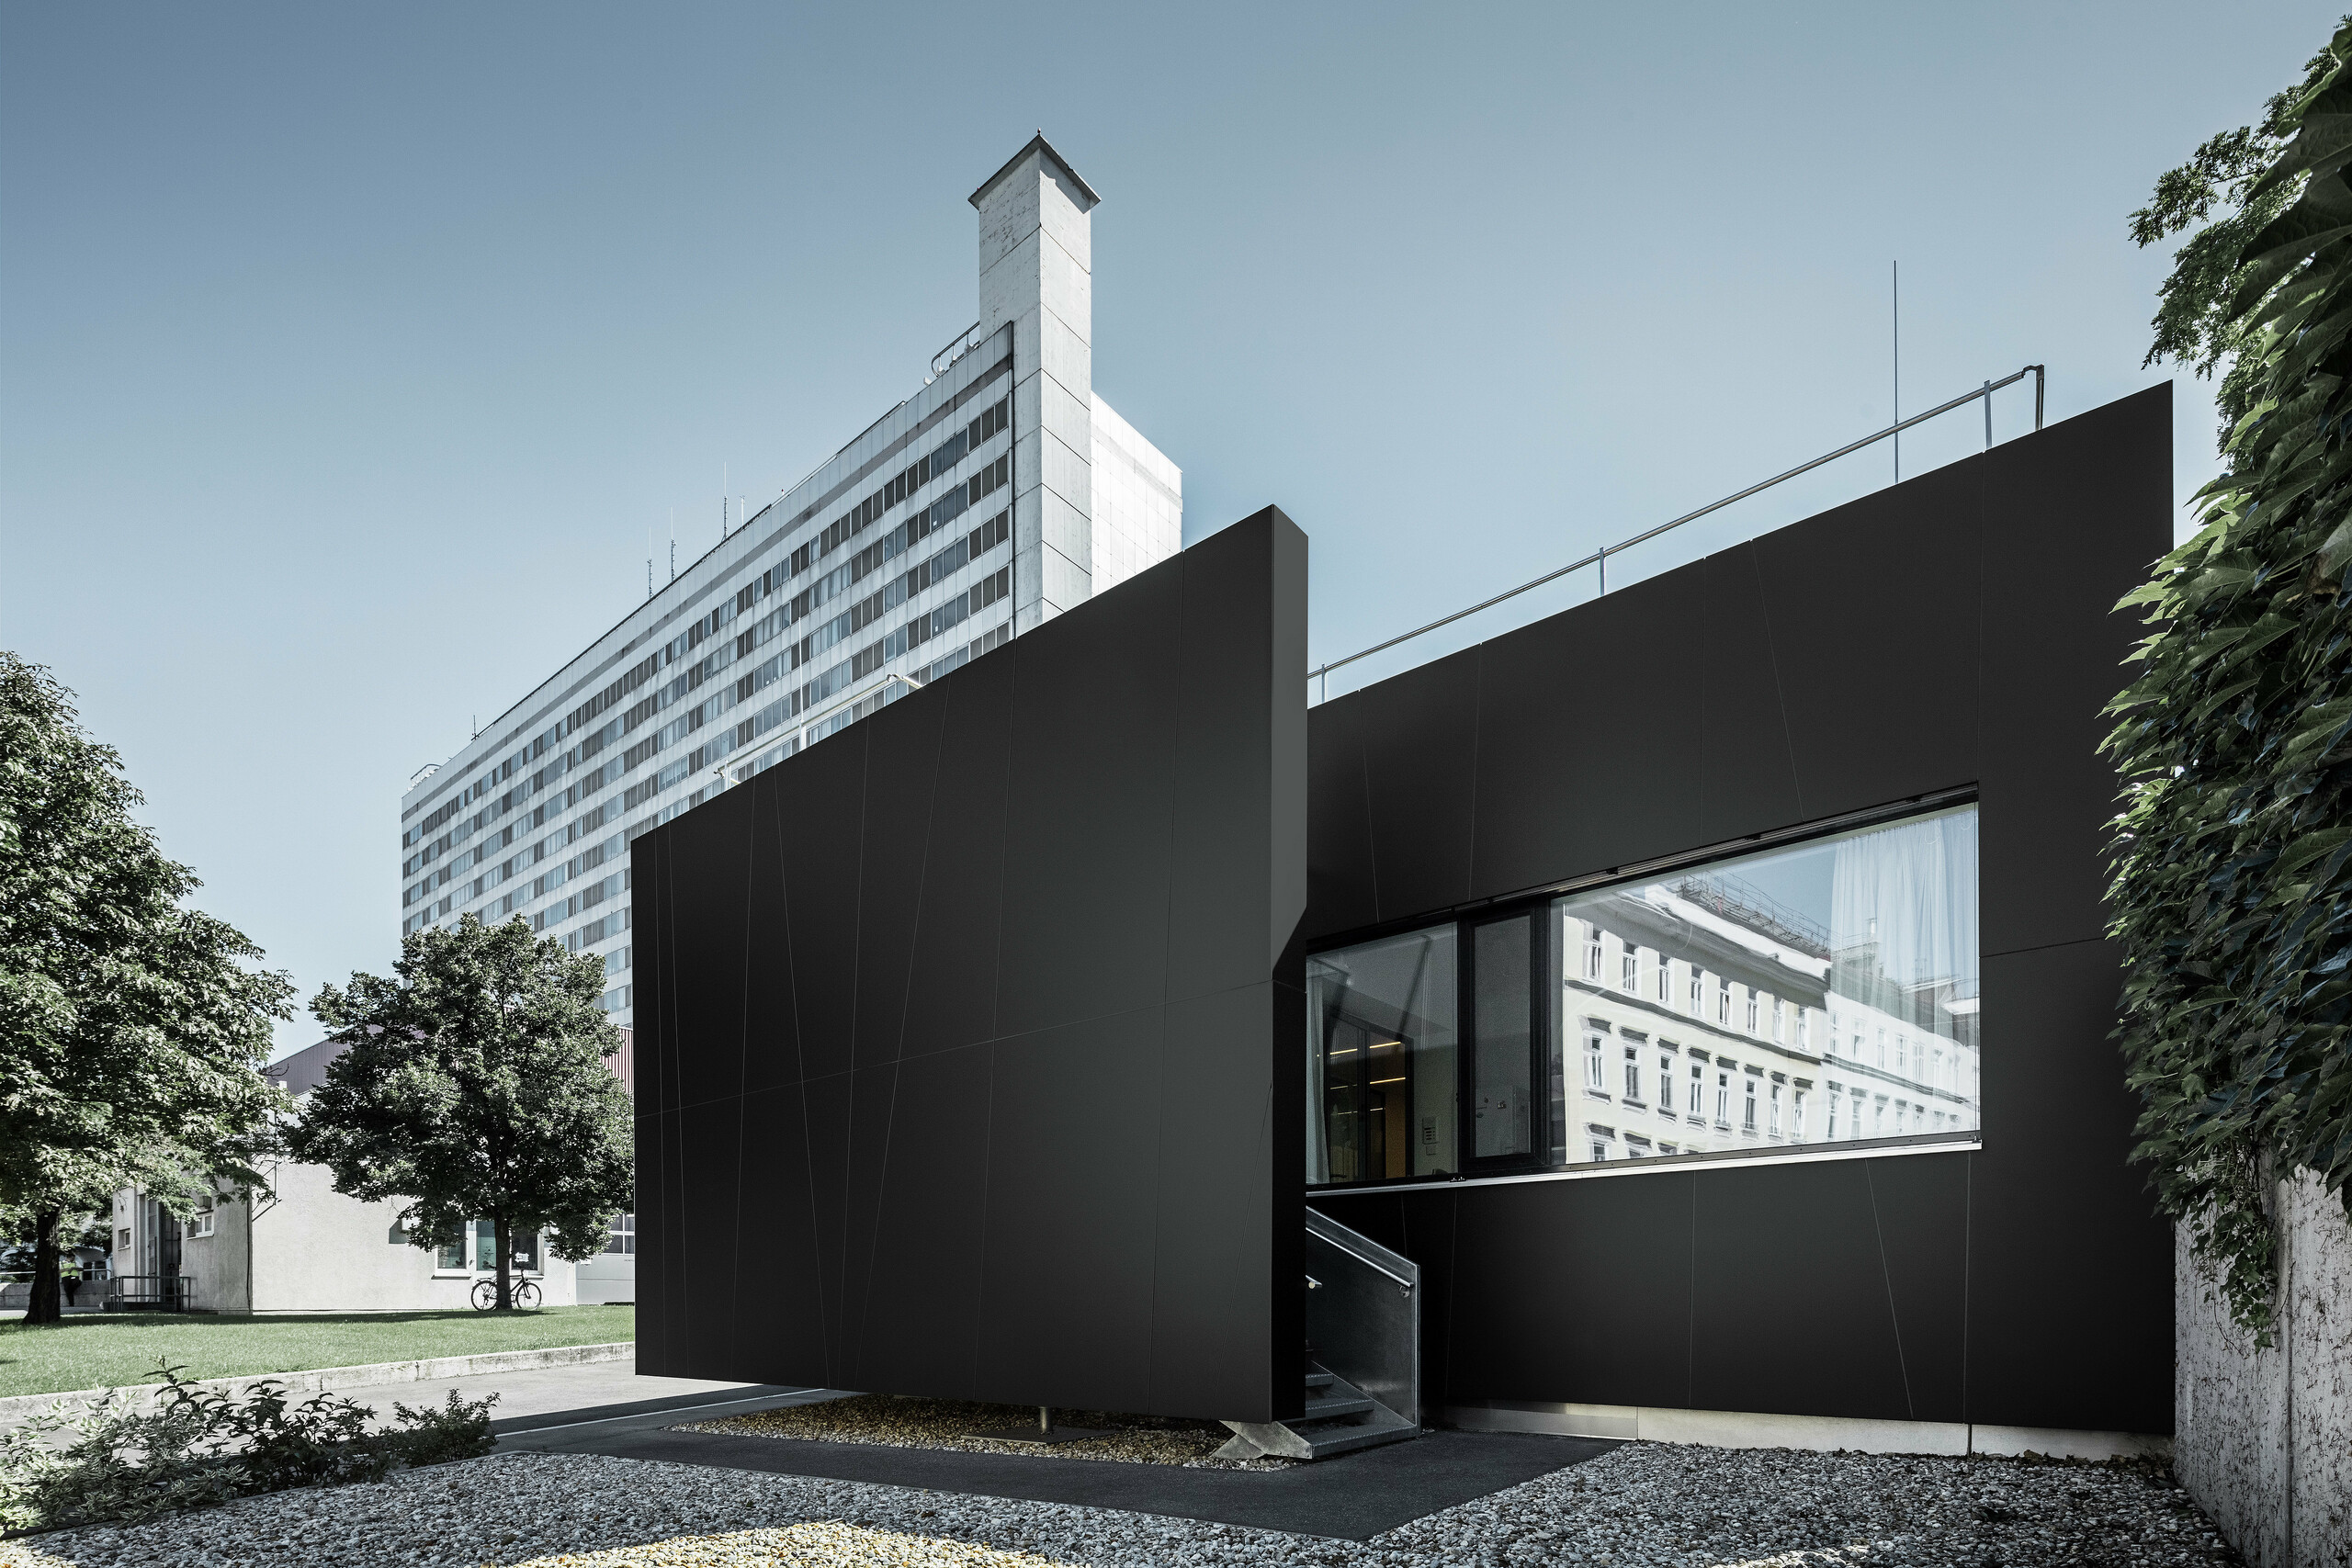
(1903, 917)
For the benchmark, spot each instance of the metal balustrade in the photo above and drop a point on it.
(1599, 557)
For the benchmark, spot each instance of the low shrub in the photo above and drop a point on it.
(458, 1429)
(133, 1457)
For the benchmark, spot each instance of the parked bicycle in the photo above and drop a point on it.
(527, 1294)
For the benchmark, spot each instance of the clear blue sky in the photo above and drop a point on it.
(349, 353)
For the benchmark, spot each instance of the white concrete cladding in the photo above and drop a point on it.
(1036, 276)
(1139, 519)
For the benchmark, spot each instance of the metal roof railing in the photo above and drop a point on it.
(1599, 557)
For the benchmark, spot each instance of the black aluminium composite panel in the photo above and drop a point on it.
(1540, 686)
(1953, 632)
(1000, 1102)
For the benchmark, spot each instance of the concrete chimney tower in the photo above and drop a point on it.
(1037, 274)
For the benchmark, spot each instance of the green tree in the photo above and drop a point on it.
(134, 1029)
(2232, 852)
(475, 1087)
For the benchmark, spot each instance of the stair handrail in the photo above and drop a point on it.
(1371, 1263)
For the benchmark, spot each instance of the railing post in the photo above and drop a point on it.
(1988, 416)
(1604, 569)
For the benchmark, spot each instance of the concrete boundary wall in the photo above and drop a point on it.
(1818, 1434)
(337, 1379)
(2266, 1436)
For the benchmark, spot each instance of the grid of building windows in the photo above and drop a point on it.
(543, 833)
(890, 566)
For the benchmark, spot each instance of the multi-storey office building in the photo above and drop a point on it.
(1000, 494)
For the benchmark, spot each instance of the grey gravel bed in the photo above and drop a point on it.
(889, 1420)
(1642, 1505)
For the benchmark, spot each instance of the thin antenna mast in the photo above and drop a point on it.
(1898, 368)
(673, 544)
(722, 500)
(648, 560)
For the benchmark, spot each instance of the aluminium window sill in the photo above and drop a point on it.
(1792, 1154)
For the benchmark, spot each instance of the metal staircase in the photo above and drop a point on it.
(1363, 1352)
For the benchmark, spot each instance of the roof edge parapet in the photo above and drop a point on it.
(1036, 143)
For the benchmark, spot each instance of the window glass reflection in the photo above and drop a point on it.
(1382, 1078)
(1827, 992)
(1502, 1057)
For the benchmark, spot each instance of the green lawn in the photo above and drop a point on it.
(110, 1350)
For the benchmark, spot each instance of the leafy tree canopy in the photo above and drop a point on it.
(475, 1087)
(134, 1029)
(2232, 852)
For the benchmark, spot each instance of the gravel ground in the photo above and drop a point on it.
(1643, 1505)
(949, 1423)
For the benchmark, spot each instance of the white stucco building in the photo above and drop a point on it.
(306, 1248)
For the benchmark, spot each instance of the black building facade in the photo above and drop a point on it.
(967, 1039)
(1706, 988)
(1948, 640)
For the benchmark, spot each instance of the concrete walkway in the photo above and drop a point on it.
(539, 1398)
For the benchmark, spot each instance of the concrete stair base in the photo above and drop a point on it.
(1339, 1418)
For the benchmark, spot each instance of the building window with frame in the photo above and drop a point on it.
(620, 1235)
(1874, 928)
(1503, 1037)
(1383, 1059)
